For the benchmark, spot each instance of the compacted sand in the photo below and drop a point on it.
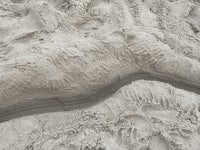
(99, 75)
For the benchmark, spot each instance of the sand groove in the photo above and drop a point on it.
(117, 74)
(66, 104)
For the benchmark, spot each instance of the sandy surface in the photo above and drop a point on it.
(100, 74)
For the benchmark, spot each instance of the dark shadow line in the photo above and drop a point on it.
(71, 103)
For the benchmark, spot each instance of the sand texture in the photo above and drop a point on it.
(99, 75)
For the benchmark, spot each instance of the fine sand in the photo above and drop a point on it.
(100, 75)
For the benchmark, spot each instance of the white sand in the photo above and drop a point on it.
(81, 56)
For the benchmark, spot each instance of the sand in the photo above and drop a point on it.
(100, 74)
